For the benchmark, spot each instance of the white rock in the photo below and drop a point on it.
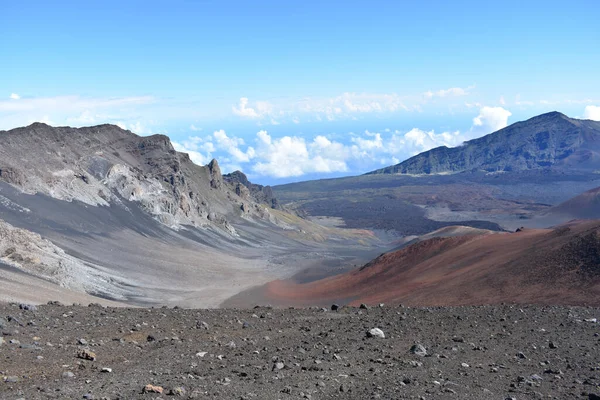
(376, 332)
(201, 354)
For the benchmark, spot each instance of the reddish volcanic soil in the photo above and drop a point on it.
(549, 266)
(586, 205)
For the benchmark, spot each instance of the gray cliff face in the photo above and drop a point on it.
(103, 164)
(550, 140)
(248, 190)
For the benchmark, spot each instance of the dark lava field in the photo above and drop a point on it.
(488, 352)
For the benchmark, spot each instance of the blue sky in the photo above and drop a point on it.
(288, 90)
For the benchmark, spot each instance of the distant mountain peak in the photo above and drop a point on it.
(550, 140)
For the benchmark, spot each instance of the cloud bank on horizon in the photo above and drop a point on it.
(294, 156)
(265, 156)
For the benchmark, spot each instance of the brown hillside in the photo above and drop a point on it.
(549, 266)
(586, 206)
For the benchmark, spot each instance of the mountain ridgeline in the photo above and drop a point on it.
(101, 165)
(545, 141)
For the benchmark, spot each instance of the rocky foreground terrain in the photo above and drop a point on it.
(491, 352)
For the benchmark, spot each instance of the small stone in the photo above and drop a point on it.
(536, 377)
(82, 342)
(335, 307)
(68, 375)
(363, 306)
(376, 332)
(153, 389)
(419, 350)
(29, 347)
(278, 366)
(88, 396)
(201, 354)
(178, 391)
(464, 365)
(106, 370)
(28, 307)
(202, 325)
(86, 354)
(552, 345)
(11, 379)
(521, 355)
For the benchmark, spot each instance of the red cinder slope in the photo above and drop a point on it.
(586, 205)
(550, 266)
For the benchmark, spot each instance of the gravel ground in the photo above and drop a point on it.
(491, 352)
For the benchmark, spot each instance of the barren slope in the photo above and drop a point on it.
(585, 206)
(552, 266)
(100, 211)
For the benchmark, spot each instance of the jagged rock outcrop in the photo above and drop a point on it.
(216, 178)
(545, 141)
(248, 190)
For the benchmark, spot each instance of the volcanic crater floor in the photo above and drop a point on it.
(484, 352)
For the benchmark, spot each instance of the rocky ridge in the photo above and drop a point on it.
(104, 164)
(545, 141)
(246, 189)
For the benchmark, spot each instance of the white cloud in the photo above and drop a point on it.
(592, 112)
(290, 156)
(70, 110)
(365, 147)
(417, 141)
(195, 156)
(231, 146)
(348, 105)
(259, 110)
(451, 92)
(136, 127)
(194, 128)
(490, 119)
(15, 96)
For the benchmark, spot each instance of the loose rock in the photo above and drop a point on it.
(419, 350)
(376, 332)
